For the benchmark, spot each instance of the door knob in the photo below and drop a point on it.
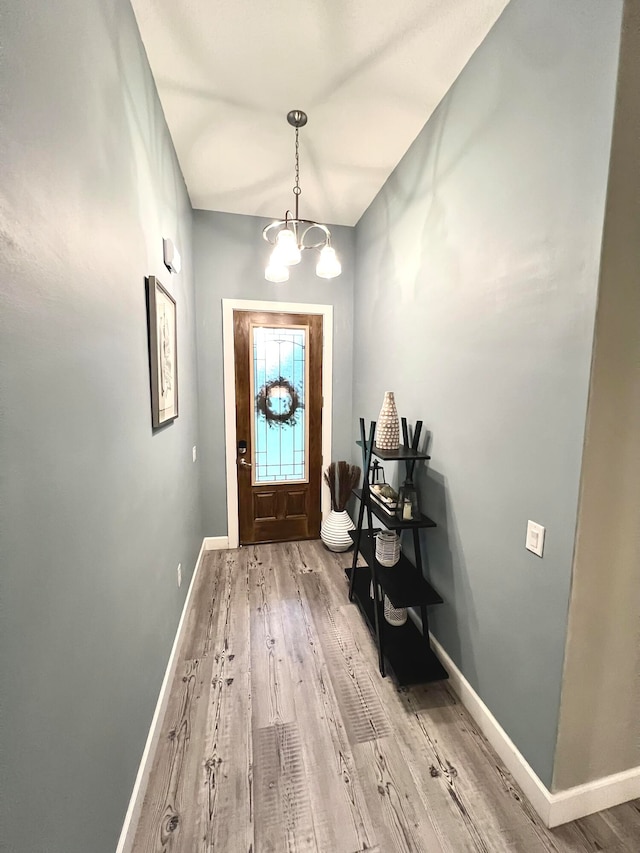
(244, 463)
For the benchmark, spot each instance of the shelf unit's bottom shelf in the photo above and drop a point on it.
(408, 658)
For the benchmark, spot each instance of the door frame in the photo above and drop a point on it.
(228, 358)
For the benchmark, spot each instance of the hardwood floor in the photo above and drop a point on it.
(281, 737)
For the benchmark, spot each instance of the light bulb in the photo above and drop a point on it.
(287, 249)
(328, 264)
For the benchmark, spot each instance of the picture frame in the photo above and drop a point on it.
(163, 353)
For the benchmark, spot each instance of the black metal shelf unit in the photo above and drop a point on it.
(403, 651)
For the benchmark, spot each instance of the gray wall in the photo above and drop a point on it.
(230, 257)
(477, 264)
(602, 664)
(96, 510)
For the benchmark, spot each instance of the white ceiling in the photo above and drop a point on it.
(368, 73)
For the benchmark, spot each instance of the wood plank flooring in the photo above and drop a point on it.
(281, 737)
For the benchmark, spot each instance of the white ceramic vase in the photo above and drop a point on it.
(388, 426)
(335, 530)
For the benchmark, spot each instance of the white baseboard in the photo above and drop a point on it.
(535, 791)
(604, 793)
(553, 808)
(137, 795)
(215, 543)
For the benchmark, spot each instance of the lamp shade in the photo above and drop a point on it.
(328, 264)
(276, 271)
(286, 248)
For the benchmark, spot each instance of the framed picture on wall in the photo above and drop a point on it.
(163, 353)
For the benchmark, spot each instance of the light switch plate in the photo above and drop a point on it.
(194, 453)
(535, 538)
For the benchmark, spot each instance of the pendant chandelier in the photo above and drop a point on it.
(289, 236)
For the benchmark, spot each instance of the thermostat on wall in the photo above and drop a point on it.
(171, 256)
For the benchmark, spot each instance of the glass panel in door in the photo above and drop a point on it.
(279, 386)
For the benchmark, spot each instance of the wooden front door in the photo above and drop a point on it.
(278, 377)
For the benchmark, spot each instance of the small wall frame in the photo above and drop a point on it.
(163, 353)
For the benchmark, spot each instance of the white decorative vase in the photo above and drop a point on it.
(388, 426)
(335, 530)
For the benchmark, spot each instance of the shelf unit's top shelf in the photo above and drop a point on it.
(403, 453)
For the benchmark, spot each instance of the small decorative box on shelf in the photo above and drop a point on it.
(387, 505)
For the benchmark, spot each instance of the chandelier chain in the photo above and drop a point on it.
(296, 189)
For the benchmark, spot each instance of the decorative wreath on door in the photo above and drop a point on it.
(278, 402)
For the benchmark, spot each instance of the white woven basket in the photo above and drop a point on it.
(395, 616)
(387, 548)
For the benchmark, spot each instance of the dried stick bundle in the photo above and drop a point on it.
(341, 477)
(330, 480)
